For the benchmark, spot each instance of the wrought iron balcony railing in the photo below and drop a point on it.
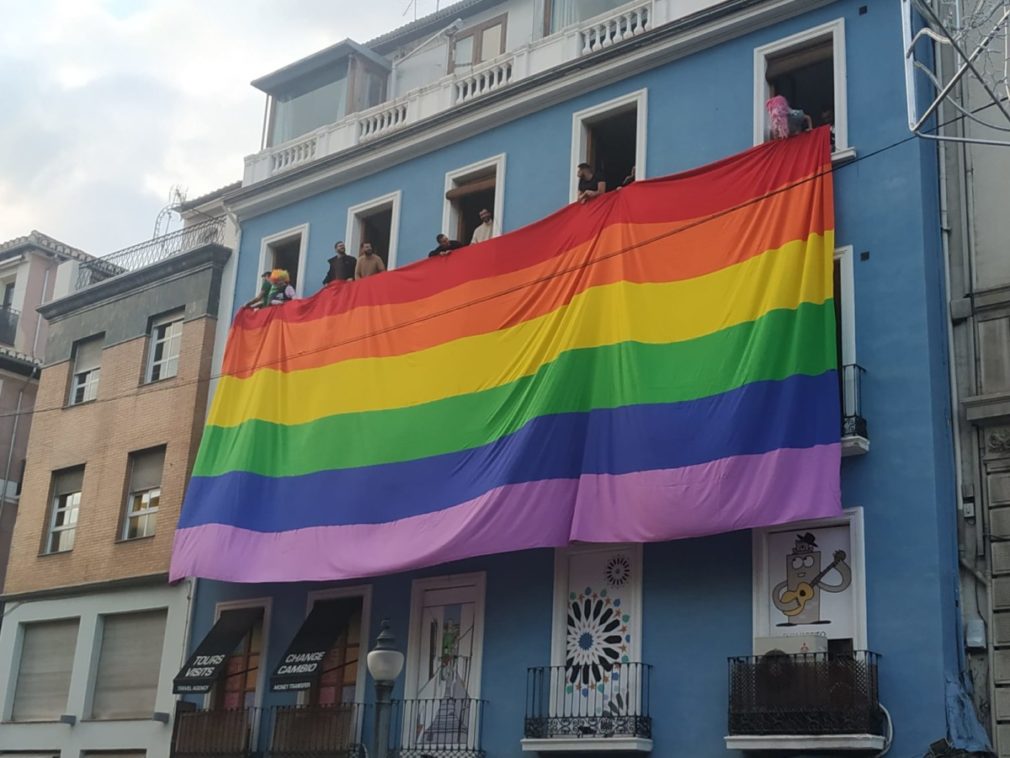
(9, 325)
(588, 700)
(853, 422)
(150, 252)
(315, 731)
(805, 694)
(213, 733)
(437, 728)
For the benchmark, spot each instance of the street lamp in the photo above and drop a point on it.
(385, 663)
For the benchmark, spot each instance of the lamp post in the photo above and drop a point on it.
(385, 663)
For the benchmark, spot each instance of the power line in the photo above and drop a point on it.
(514, 288)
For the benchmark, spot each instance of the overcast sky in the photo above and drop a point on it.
(106, 104)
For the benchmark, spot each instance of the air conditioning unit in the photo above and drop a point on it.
(805, 643)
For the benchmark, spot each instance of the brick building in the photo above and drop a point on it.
(94, 633)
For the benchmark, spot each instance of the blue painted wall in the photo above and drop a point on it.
(697, 593)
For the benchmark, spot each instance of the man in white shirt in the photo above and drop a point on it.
(485, 231)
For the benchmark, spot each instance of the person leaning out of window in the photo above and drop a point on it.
(590, 184)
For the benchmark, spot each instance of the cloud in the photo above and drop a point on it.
(109, 103)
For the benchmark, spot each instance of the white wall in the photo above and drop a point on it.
(147, 735)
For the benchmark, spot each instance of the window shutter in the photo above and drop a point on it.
(67, 481)
(47, 658)
(129, 664)
(146, 470)
(88, 355)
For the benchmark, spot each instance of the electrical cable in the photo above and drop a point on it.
(147, 390)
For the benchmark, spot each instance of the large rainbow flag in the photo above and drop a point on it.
(657, 363)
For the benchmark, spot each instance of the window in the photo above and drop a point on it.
(312, 101)
(87, 370)
(129, 664)
(610, 137)
(144, 494)
(66, 505)
(238, 683)
(830, 550)
(467, 191)
(8, 295)
(338, 682)
(855, 438)
(285, 250)
(478, 44)
(43, 680)
(163, 348)
(594, 587)
(376, 222)
(560, 14)
(444, 654)
(808, 69)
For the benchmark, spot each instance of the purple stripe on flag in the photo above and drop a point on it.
(784, 485)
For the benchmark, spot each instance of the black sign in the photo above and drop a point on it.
(302, 663)
(204, 666)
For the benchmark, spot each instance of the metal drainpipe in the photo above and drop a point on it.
(38, 318)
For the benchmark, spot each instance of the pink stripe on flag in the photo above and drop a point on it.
(648, 506)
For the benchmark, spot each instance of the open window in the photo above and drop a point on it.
(808, 69)
(87, 370)
(470, 189)
(611, 138)
(376, 222)
(285, 250)
(477, 44)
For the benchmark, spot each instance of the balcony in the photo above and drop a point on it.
(805, 702)
(316, 731)
(568, 710)
(855, 438)
(213, 733)
(295, 731)
(587, 38)
(9, 325)
(437, 728)
(148, 253)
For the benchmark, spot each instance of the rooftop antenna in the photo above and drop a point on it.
(411, 4)
(176, 196)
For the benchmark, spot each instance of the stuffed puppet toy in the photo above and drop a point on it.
(784, 121)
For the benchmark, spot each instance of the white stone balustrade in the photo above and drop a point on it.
(382, 120)
(288, 156)
(483, 80)
(604, 31)
(442, 94)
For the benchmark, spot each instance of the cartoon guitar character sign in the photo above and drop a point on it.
(798, 597)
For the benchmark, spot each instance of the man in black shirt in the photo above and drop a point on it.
(445, 246)
(341, 266)
(590, 185)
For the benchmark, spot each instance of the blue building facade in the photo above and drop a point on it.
(695, 84)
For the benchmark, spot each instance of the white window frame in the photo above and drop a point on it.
(836, 31)
(352, 236)
(17, 660)
(91, 379)
(266, 603)
(168, 320)
(52, 528)
(559, 621)
(847, 288)
(580, 133)
(457, 177)
(853, 519)
(418, 587)
(266, 253)
(363, 591)
(146, 511)
(99, 639)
